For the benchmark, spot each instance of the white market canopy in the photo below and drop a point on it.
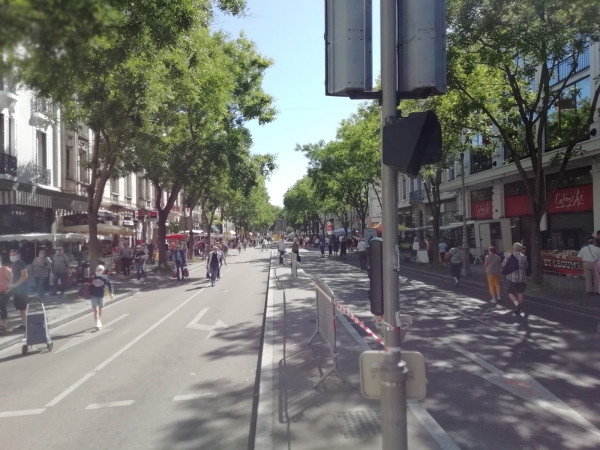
(44, 237)
(102, 229)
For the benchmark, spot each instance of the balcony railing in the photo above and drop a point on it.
(40, 175)
(8, 164)
(562, 69)
(417, 196)
(40, 105)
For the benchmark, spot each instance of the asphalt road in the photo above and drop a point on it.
(495, 381)
(172, 368)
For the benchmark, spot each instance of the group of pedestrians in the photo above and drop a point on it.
(139, 256)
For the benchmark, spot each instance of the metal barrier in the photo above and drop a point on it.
(326, 326)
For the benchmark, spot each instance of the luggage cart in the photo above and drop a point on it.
(36, 328)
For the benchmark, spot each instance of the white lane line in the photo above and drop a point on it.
(195, 320)
(183, 398)
(25, 412)
(472, 357)
(70, 389)
(108, 405)
(84, 337)
(264, 422)
(119, 352)
(435, 430)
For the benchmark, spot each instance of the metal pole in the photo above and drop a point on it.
(393, 372)
(466, 268)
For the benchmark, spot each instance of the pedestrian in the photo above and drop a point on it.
(336, 247)
(60, 268)
(213, 264)
(493, 269)
(589, 256)
(281, 248)
(362, 254)
(151, 252)
(296, 249)
(180, 260)
(18, 287)
(322, 248)
(140, 262)
(343, 248)
(263, 244)
(224, 247)
(5, 281)
(515, 267)
(443, 248)
(456, 263)
(330, 246)
(99, 283)
(125, 255)
(41, 267)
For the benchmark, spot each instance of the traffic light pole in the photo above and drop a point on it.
(393, 372)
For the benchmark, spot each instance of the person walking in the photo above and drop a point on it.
(281, 248)
(296, 249)
(343, 248)
(60, 269)
(18, 287)
(456, 263)
(213, 264)
(99, 283)
(140, 262)
(589, 256)
(493, 269)
(514, 267)
(336, 246)
(330, 245)
(41, 267)
(126, 255)
(180, 260)
(362, 254)
(5, 281)
(443, 248)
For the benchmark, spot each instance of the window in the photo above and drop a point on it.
(482, 195)
(517, 188)
(571, 178)
(480, 161)
(403, 188)
(114, 186)
(128, 187)
(562, 69)
(69, 162)
(569, 114)
(84, 172)
(140, 187)
(11, 136)
(2, 147)
(451, 175)
(42, 150)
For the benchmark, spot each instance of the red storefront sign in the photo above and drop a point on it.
(578, 198)
(568, 266)
(572, 199)
(517, 206)
(481, 210)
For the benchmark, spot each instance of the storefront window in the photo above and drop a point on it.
(571, 178)
(482, 195)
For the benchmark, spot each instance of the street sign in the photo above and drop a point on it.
(370, 364)
(368, 234)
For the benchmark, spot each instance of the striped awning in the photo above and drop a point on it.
(41, 201)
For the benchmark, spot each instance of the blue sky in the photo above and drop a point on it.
(291, 33)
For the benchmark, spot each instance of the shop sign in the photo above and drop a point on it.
(481, 210)
(565, 266)
(517, 206)
(579, 198)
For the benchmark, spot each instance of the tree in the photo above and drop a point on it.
(515, 62)
(251, 212)
(301, 205)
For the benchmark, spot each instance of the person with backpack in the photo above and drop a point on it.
(493, 269)
(456, 263)
(514, 267)
(99, 282)
(5, 280)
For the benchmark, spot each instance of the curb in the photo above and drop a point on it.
(79, 314)
(538, 300)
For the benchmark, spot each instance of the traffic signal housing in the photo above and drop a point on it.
(412, 142)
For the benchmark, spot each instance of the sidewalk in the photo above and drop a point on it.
(294, 415)
(64, 308)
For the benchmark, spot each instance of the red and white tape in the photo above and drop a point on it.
(359, 323)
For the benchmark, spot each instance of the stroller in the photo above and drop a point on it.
(36, 328)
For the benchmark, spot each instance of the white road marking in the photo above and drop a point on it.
(87, 336)
(524, 386)
(472, 357)
(435, 430)
(183, 398)
(108, 405)
(25, 412)
(119, 352)
(70, 389)
(194, 323)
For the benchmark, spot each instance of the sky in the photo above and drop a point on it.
(291, 32)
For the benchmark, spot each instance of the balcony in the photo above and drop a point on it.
(8, 164)
(562, 69)
(8, 93)
(417, 196)
(41, 110)
(40, 175)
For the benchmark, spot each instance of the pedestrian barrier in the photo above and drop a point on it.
(294, 265)
(326, 326)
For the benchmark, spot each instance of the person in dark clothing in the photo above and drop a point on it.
(99, 282)
(126, 259)
(179, 258)
(213, 264)
(343, 248)
(336, 246)
(140, 262)
(19, 287)
(330, 248)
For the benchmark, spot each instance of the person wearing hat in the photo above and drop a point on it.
(514, 267)
(589, 256)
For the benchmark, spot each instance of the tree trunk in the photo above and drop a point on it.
(162, 238)
(537, 276)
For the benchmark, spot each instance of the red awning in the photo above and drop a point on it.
(175, 237)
